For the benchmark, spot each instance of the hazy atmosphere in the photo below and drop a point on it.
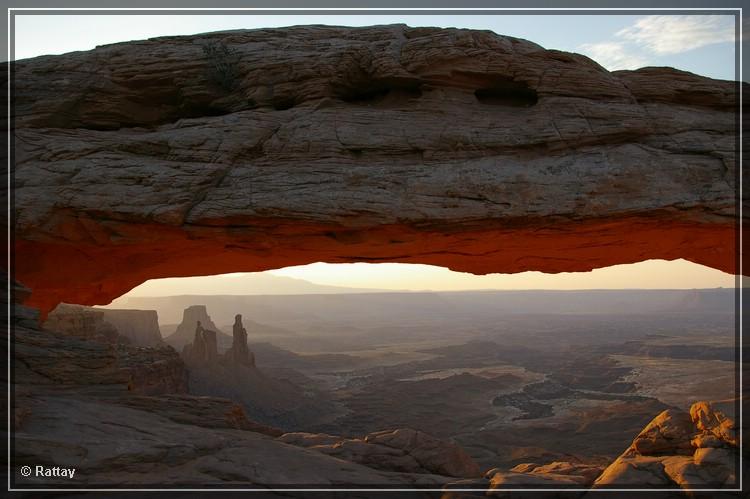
(652, 274)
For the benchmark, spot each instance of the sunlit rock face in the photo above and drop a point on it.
(692, 451)
(251, 150)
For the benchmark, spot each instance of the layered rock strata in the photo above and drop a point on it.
(251, 150)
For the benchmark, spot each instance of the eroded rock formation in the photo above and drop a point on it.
(555, 475)
(203, 350)
(251, 150)
(676, 450)
(239, 353)
(204, 347)
(684, 450)
(185, 332)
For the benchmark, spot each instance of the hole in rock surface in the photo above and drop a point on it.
(507, 93)
(282, 104)
(381, 92)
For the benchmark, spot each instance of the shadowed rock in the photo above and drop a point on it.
(83, 322)
(203, 350)
(185, 332)
(141, 327)
(403, 450)
(239, 353)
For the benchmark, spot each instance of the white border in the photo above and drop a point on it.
(742, 353)
(334, 9)
(344, 9)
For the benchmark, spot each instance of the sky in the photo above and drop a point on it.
(702, 44)
(651, 274)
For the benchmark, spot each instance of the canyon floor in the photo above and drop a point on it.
(410, 400)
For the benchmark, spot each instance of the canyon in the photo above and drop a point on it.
(444, 409)
(251, 150)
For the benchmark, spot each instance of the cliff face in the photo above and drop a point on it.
(83, 322)
(250, 150)
(66, 353)
(141, 327)
(137, 327)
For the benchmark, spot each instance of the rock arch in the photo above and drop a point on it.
(251, 150)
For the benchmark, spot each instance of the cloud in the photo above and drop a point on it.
(652, 37)
(664, 35)
(613, 55)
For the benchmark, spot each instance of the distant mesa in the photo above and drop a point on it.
(137, 327)
(190, 316)
(84, 323)
(141, 327)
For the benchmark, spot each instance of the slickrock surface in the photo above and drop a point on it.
(208, 412)
(250, 150)
(404, 450)
(555, 475)
(111, 444)
(678, 449)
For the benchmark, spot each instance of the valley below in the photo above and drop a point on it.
(424, 390)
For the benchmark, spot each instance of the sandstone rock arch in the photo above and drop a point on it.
(251, 150)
